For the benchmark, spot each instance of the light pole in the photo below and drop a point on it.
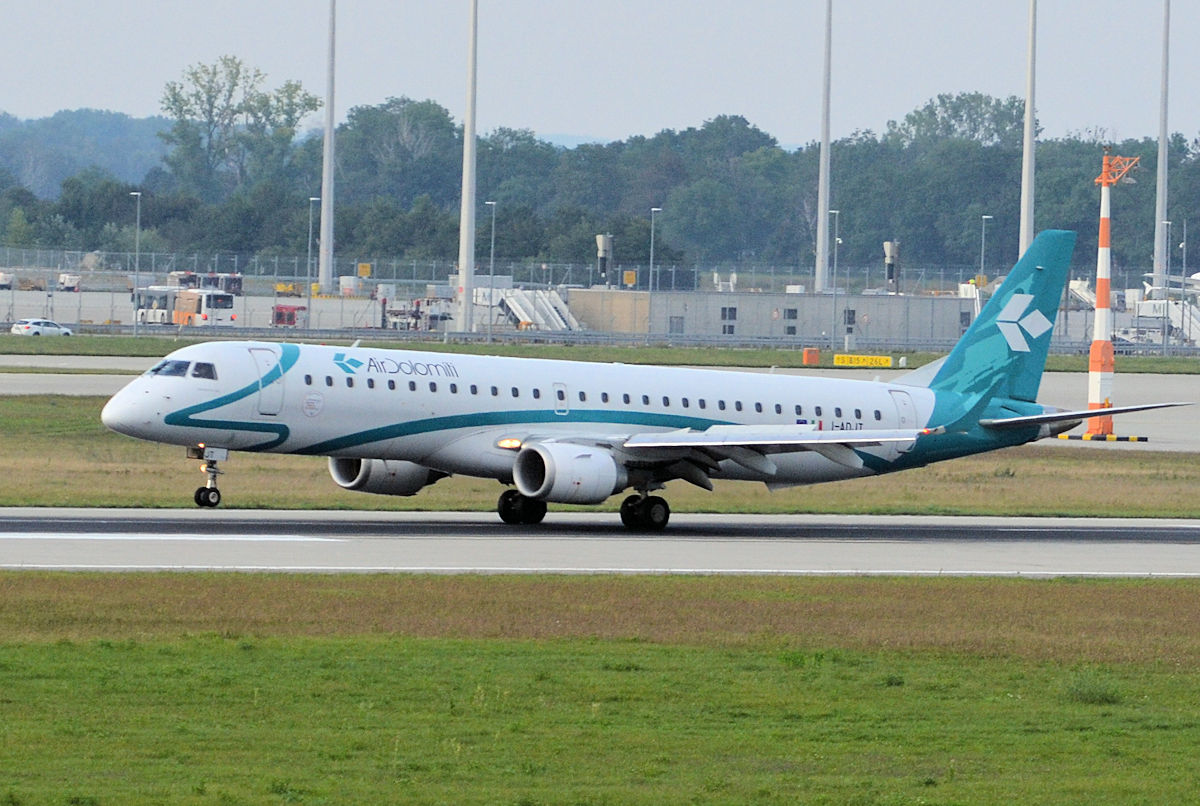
(308, 265)
(983, 219)
(491, 273)
(653, 210)
(137, 258)
(837, 217)
(1183, 278)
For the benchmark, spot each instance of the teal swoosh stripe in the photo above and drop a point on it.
(289, 355)
(495, 418)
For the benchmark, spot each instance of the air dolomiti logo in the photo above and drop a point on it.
(1014, 322)
(348, 365)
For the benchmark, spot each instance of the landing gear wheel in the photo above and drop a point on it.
(655, 513)
(509, 506)
(532, 511)
(649, 514)
(207, 497)
(515, 508)
(629, 511)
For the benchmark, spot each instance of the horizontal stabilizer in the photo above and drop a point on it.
(1065, 416)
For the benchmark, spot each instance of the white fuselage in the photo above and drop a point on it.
(451, 412)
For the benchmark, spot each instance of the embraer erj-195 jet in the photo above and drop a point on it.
(394, 421)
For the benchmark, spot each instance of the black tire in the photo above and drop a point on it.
(208, 496)
(509, 506)
(631, 512)
(532, 511)
(655, 513)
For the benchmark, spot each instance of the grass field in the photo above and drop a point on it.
(595, 690)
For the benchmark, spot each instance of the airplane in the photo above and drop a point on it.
(394, 421)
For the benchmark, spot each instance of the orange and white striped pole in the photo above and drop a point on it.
(1100, 358)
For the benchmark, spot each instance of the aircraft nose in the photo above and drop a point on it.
(127, 412)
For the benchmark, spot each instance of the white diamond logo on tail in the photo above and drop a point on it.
(1014, 327)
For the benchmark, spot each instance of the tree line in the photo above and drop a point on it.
(235, 174)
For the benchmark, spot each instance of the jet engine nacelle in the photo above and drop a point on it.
(567, 474)
(383, 476)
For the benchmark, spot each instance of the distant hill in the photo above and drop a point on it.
(42, 153)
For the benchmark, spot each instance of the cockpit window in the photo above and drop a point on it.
(168, 367)
(203, 370)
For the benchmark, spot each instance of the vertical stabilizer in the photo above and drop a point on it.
(1004, 351)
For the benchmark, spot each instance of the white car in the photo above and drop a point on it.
(39, 327)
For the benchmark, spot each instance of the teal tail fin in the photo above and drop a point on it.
(1003, 353)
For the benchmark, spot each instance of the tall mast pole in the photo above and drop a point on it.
(466, 226)
(325, 255)
(821, 272)
(1100, 357)
(1160, 198)
(1030, 142)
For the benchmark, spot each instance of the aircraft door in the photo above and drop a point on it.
(270, 382)
(906, 413)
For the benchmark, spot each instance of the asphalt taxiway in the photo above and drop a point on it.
(456, 542)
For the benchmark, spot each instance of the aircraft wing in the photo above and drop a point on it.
(750, 445)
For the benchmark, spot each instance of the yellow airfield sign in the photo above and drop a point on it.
(850, 360)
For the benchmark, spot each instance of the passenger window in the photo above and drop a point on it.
(370, 383)
(721, 405)
(516, 392)
(799, 410)
(758, 407)
(666, 400)
(684, 402)
(583, 397)
(702, 403)
(858, 414)
(818, 410)
(604, 397)
(737, 404)
(205, 371)
(837, 411)
(391, 384)
(474, 389)
(308, 380)
(878, 415)
(454, 388)
(328, 381)
(412, 386)
(537, 394)
(625, 398)
(645, 400)
(495, 391)
(349, 382)
(778, 409)
(432, 386)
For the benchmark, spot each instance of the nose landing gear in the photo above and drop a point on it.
(208, 495)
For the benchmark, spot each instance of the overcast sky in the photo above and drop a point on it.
(608, 69)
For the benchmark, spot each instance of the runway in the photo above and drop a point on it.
(583, 543)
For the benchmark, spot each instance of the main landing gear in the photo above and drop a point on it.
(645, 512)
(515, 508)
(208, 495)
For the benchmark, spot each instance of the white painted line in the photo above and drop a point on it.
(183, 537)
